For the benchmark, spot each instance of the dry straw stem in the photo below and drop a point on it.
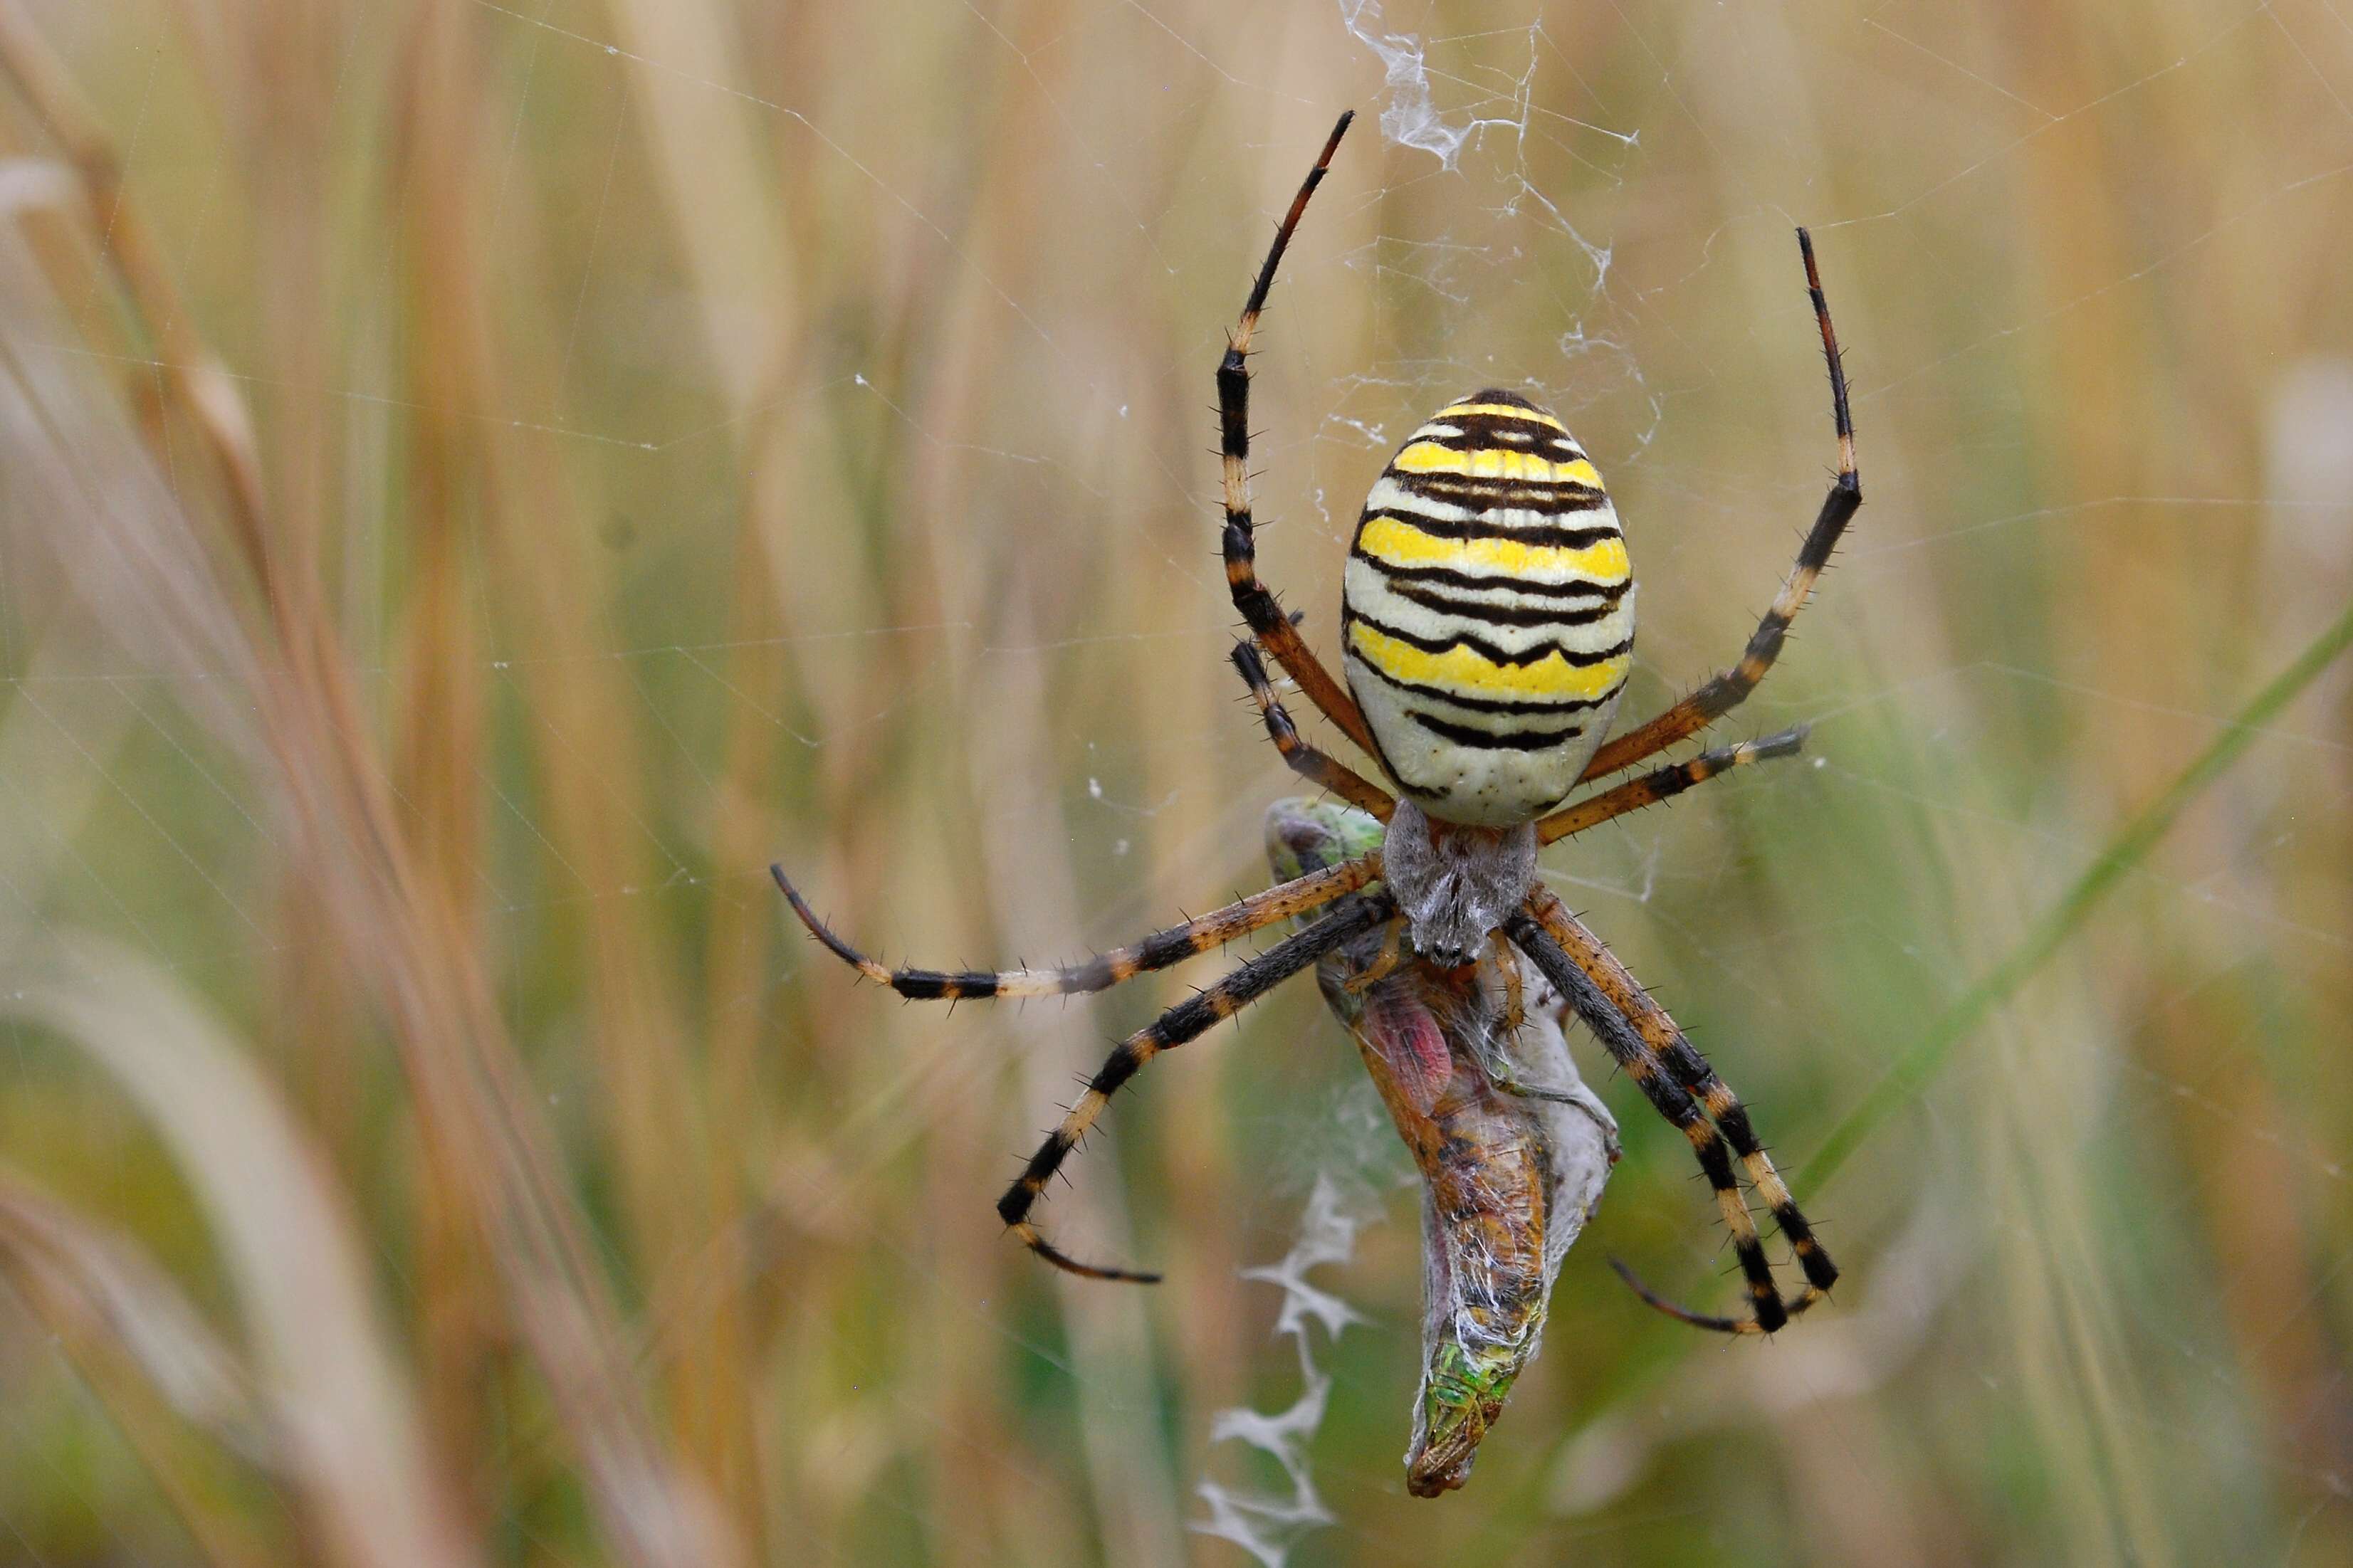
(179, 1397)
(339, 1412)
(477, 1117)
(196, 378)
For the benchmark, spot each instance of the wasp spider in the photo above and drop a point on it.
(1487, 616)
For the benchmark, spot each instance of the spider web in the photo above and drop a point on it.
(837, 492)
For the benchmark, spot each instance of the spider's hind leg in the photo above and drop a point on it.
(1158, 951)
(1186, 1020)
(1646, 1043)
(1665, 784)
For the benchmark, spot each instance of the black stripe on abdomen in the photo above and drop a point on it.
(1483, 432)
(1493, 653)
(1492, 740)
(1492, 495)
(1501, 614)
(1480, 528)
(1446, 577)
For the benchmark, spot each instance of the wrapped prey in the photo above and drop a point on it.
(1513, 1148)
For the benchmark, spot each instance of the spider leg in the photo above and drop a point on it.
(1708, 1320)
(1669, 1099)
(1727, 692)
(1516, 1014)
(1158, 951)
(1184, 1021)
(1635, 1028)
(1383, 964)
(1252, 597)
(1306, 760)
(1665, 784)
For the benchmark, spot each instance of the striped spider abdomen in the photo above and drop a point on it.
(1487, 612)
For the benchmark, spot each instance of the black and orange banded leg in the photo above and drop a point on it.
(1627, 1047)
(1666, 1043)
(1727, 692)
(1305, 761)
(1187, 1020)
(1665, 784)
(1161, 949)
(1258, 605)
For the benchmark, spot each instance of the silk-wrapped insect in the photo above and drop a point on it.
(1513, 1148)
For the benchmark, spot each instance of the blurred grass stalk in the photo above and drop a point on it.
(510, 1149)
(339, 1425)
(383, 851)
(1922, 1059)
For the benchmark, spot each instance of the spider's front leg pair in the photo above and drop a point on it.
(1683, 1088)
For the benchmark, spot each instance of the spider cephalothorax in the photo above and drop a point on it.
(1454, 884)
(1487, 620)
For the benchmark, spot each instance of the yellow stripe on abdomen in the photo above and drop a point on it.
(1551, 678)
(1494, 463)
(1400, 543)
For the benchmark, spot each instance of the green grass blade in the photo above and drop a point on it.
(1926, 1057)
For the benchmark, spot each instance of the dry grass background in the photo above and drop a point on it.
(482, 480)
